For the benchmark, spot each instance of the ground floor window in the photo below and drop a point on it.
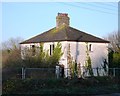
(51, 49)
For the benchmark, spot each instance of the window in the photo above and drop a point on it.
(51, 49)
(33, 50)
(90, 47)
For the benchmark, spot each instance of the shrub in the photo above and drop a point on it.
(114, 60)
(90, 85)
(42, 58)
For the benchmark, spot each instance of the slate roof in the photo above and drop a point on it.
(64, 33)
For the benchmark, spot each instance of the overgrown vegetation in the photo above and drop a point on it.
(42, 59)
(114, 51)
(12, 64)
(57, 53)
(12, 61)
(88, 86)
(72, 65)
(114, 60)
(11, 58)
(88, 64)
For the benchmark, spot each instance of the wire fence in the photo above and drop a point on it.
(38, 73)
(47, 73)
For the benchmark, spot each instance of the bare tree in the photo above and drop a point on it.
(11, 44)
(114, 39)
(11, 51)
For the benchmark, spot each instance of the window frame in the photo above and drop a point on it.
(32, 47)
(52, 46)
(90, 47)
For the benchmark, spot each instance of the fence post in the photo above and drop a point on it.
(57, 69)
(114, 72)
(23, 73)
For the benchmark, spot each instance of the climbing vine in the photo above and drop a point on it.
(88, 65)
(72, 65)
(69, 59)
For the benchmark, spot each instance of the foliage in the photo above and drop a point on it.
(94, 85)
(72, 65)
(42, 57)
(114, 60)
(57, 53)
(97, 69)
(114, 49)
(76, 69)
(105, 66)
(73, 69)
(114, 63)
(12, 59)
(88, 61)
(11, 44)
(114, 39)
(69, 60)
(79, 70)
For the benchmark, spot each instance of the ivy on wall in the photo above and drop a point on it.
(72, 65)
(88, 64)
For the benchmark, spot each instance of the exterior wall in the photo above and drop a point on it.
(78, 52)
(63, 59)
(98, 54)
(24, 47)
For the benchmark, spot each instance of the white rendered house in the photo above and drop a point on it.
(76, 39)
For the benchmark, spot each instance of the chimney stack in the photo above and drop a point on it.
(62, 19)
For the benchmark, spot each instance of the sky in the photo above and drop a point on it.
(28, 19)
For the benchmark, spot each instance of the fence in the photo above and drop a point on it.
(114, 72)
(38, 73)
(46, 73)
(11, 73)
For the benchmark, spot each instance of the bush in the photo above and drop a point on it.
(114, 60)
(12, 61)
(42, 59)
(92, 85)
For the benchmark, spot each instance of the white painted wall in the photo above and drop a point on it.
(98, 54)
(78, 52)
(24, 47)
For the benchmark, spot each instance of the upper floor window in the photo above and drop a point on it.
(90, 47)
(51, 49)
